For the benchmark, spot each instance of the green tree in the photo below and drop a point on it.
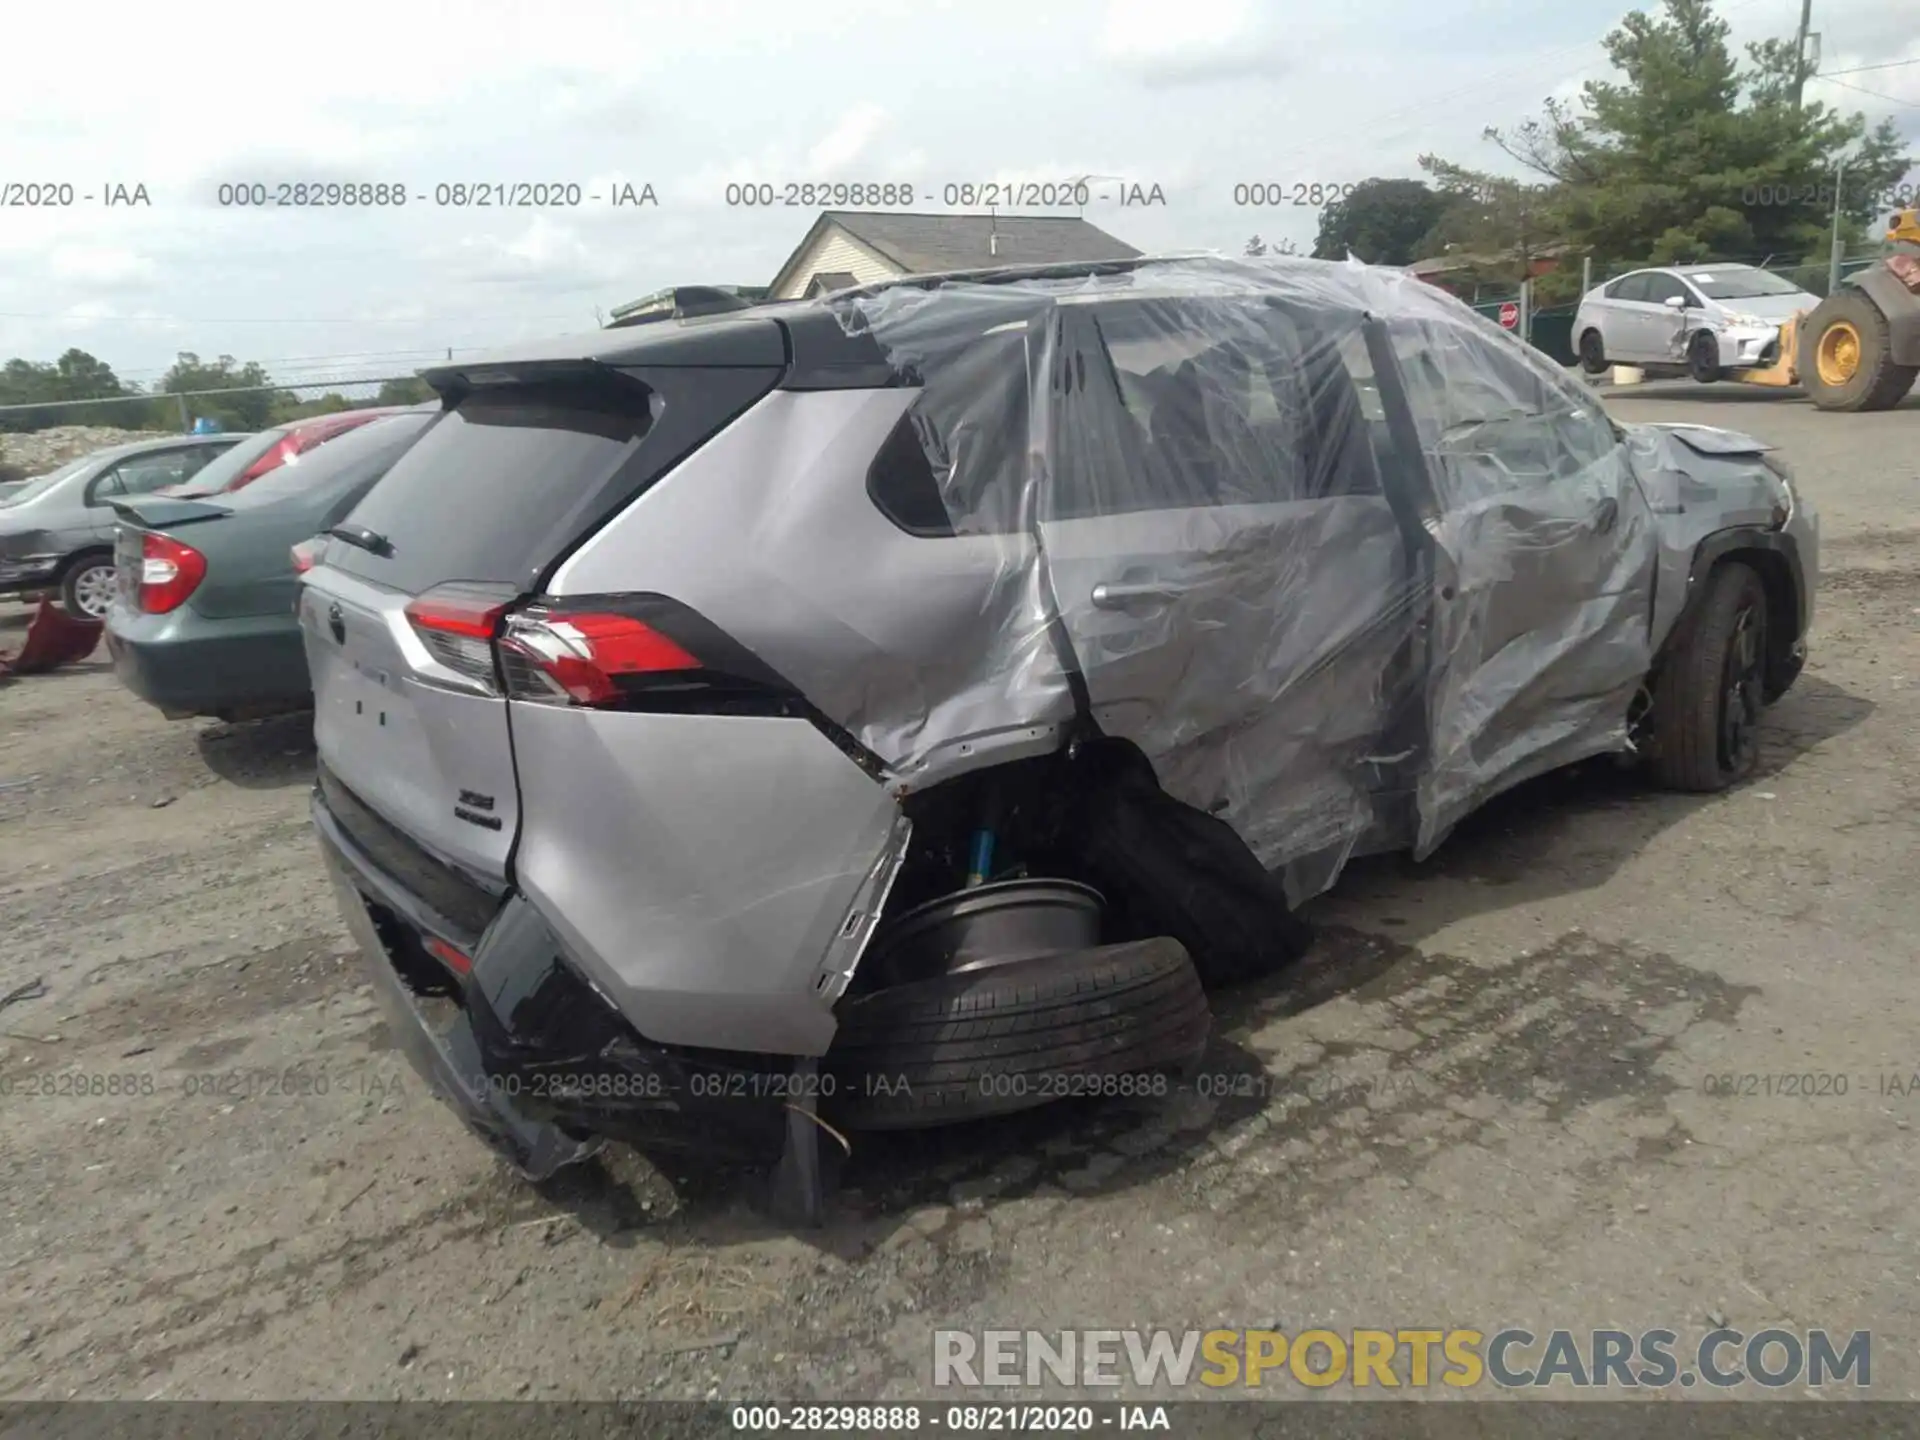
(1689, 155)
(240, 411)
(1382, 221)
(292, 407)
(411, 391)
(76, 375)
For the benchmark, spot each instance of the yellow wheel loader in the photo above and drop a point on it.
(1858, 349)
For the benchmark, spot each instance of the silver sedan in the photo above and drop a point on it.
(1707, 318)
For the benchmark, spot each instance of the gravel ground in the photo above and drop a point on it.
(1480, 1100)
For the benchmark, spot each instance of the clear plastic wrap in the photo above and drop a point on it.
(1339, 555)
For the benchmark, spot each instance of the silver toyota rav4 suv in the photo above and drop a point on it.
(891, 708)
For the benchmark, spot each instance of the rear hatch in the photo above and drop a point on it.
(397, 618)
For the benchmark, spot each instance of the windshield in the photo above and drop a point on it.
(40, 484)
(1739, 284)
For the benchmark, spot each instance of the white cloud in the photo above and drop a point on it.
(106, 266)
(846, 142)
(1195, 41)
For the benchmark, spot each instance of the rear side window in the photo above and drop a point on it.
(1633, 287)
(497, 488)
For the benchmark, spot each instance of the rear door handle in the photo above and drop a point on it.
(1110, 596)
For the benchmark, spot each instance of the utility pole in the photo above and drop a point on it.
(1800, 51)
(1838, 253)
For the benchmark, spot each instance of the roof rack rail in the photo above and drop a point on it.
(1010, 274)
(684, 302)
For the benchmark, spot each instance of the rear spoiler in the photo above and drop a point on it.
(158, 512)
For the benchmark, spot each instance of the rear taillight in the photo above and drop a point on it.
(587, 657)
(169, 573)
(307, 554)
(457, 624)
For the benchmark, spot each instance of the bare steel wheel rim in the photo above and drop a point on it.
(93, 590)
(1838, 355)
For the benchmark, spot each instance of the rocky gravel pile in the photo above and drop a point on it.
(39, 451)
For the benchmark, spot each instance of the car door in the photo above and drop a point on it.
(1227, 572)
(1628, 330)
(1666, 324)
(1544, 571)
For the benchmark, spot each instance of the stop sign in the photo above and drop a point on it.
(1509, 316)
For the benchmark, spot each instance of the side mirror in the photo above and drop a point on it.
(1675, 302)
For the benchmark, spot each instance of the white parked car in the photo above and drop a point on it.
(1707, 318)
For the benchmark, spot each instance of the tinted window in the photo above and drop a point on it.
(1173, 404)
(1662, 288)
(142, 474)
(378, 440)
(496, 488)
(901, 483)
(1632, 287)
(956, 463)
(1736, 283)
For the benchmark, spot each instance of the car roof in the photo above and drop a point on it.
(805, 335)
(1708, 267)
(165, 442)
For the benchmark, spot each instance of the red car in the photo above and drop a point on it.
(270, 449)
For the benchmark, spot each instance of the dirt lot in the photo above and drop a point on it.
(1483, 1093)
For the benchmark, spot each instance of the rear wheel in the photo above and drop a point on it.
(1010, 1037)
(1846, 355)
(86, 587)
(1593, 353)
(1710, 692)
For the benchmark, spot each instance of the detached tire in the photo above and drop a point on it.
(1709, 695)
(1011, 1037)
(1846, 355)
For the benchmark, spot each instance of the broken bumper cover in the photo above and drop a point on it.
(24, 574)
(535, 1061)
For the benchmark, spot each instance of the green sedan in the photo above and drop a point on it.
(203, 620)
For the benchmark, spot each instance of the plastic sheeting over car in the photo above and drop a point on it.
(1340, 556)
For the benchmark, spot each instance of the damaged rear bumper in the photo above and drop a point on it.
(533, 1059)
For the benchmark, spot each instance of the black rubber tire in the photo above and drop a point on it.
(69, 578)
(1878, 384)
(1703, 358)
(1691, 693)
(1012, 1037)
(1593, 352)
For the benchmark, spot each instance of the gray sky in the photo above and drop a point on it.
(1193, 96)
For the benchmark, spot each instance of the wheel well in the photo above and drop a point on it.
(1783, 611)
(87, 553)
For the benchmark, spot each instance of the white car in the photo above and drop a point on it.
(1707, 318)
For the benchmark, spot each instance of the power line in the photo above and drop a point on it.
(1890, 99)
(1862, 69)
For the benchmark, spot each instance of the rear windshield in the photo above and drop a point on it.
(218, 472)
(339, 457)
(497, 488)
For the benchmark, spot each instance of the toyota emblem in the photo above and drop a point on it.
(337, 623)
